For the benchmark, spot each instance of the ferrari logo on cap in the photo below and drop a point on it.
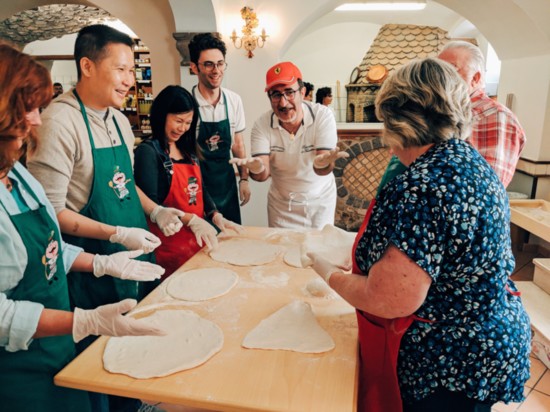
(277, 70)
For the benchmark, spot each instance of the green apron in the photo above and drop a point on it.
(26, 376)
(113, 200)
(218, 175)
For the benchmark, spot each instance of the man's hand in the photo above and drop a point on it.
(244, 191)
(224, 224)
(254, 164)
(122, 265)
(324, 160)
(133, 238)
(109, 320)
(167, 219)
(204, 232)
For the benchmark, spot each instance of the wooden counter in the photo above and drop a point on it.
(238, 379)
(530, 215)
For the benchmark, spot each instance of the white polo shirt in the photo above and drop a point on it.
(291, 160)
(210, 113)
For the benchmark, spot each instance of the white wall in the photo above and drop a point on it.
(528, 79)
(328, 54)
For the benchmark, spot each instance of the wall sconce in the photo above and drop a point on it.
(249, 40)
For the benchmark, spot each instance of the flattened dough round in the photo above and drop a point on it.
(293, 327)
(190, 342)
(292, 256)
(245, 252)
(201, 284)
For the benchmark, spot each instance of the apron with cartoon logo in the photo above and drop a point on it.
(214, 139)
(26, 378)
(185, 194)
(113, 200)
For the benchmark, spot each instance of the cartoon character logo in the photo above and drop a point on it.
(192, 190)
(118, 184)
(213, 142)
(49, 259)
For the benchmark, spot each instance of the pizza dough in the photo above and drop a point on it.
(190, 342)
(201, 284)
(292, 257)
(245, 252)
(333, 244)
(318, 288)
(293, 327)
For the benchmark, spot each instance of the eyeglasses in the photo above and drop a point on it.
(289, 95)
(208, 65)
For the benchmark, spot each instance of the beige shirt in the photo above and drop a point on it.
(63, 161)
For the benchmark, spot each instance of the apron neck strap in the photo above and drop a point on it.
(87, 122)
(27, 188)
(224, 102)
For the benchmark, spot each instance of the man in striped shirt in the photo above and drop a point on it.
(496, 132)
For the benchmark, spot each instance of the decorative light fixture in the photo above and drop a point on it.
(249, 40)
(399, 5)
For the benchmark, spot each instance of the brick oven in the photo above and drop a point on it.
(358, 177)
(394, 46)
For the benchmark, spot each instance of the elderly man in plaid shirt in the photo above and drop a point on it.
(496, 132)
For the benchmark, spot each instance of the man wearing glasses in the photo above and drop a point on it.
(220, 127)
(295, 144)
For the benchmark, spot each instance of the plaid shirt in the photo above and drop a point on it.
(496, 134)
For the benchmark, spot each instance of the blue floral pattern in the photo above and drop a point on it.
(449, 213)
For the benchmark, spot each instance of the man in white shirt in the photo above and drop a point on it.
(295, 145)
(220, 127)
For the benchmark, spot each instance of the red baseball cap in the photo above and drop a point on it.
(282, 73)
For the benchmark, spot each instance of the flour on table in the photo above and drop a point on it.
(191, 341)
(269, 276)
(201, 284)
(293, 327)
(245, 252)
(318, 288)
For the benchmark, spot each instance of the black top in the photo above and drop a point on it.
(151, 175)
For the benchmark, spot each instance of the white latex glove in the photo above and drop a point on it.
(204, 232)
(224, 224)
(323, 267)
(167, 219)
(326, 159)
(123, 266)
(109, 320)
(133, 238)
(341, 243)
(254, 164)
(244, 192)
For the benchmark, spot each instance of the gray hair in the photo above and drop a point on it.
(476, 62)
(424, 102)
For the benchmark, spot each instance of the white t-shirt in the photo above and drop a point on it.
(216, 113)
(291, 160)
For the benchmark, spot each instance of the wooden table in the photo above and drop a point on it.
(238, 379)
(532, 216)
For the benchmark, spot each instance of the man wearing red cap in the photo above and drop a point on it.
(295, 145)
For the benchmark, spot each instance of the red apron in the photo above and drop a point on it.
(185, 194)
(379, 341)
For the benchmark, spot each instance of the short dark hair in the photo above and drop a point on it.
(174, 99)
(57, 84)
(309, 87)
(205, 41)
(322, 92)
(92, 41)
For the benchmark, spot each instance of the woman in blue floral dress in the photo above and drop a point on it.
(441, 325)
